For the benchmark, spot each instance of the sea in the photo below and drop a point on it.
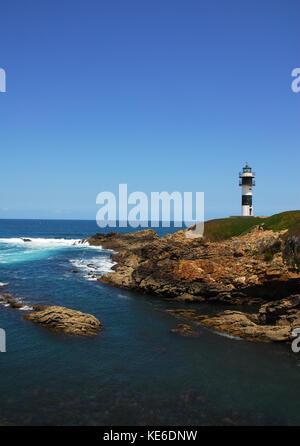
(136, 372)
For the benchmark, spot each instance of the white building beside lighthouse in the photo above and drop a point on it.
(247, 182)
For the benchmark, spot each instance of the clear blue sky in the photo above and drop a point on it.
(159, 94)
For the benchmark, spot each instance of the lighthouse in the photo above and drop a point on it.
(247, 182)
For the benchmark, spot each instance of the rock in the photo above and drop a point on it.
(272, 274)
(5, 296)
(189, 298)
(175, 267)
(243, 325)
(280, 310)
(239, 252)
(115, 240)
(274, 321)
(64, 320)
(191, 315)
(185, 330)
(11, 301)
(252, 269)
(291, 251)
(240, 280)
(14, 304)
(239, 324)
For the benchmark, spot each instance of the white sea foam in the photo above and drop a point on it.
(94, 266)
(47, 243)
(26, 308)
(226, 335)
(3, 283)
(123, 296)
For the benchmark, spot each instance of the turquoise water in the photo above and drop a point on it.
(136, 372)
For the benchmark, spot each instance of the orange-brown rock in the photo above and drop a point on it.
(64, 320)
(7, 298)
(274, 321)
(185, 330)
(257, 268)
(232, 271)
(237, 323)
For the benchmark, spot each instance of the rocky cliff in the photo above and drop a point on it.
(246, 269)
(253, 268)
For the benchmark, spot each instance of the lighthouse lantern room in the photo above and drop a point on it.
(247, 182)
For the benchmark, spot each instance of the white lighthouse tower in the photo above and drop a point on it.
(247, 182)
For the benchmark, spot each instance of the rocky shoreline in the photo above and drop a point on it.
(273, 322)
(256, 271)
(258, 268)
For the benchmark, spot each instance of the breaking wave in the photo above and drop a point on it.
(46, 243)
(94, 267)
(28, 249)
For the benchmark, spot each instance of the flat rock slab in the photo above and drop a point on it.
(65, 320)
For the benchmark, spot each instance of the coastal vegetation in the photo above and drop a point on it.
(225, 228)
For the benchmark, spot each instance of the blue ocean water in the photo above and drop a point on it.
(136, 372)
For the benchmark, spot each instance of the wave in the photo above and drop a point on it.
(26, 308)
(3, 283)
(13, 250)
(46, 243)
(94, 267)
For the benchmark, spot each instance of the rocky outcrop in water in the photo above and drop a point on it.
(56, 318)
(254, 269)
(9, 300)
(274, 321)
(64, 320)
(186, 331)
(245, 269)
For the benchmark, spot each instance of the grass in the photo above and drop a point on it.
(225, 228)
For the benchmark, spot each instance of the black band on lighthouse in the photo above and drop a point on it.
(247, 200)
(247, 181)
